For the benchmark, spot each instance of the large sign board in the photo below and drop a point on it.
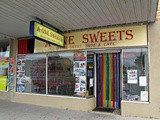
(128, 36)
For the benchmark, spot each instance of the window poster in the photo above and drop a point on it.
(142, 81)
(144, 95)
(20, 73)
(132, 76)
(79, 56)
(91, 82)
(79, 71)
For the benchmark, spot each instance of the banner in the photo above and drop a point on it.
(101, 38)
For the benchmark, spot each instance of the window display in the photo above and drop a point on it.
(90, 74)
(4, 63)
(61, 80)
(80, 73)
(135, 74)
(66, 73)
(31, 73)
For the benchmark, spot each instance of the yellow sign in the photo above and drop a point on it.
(3, 82)
(101, 38)
(45, 34)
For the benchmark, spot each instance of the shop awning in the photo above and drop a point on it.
(72, 15)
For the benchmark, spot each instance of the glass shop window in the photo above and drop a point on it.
(67, 73)
(90, 74)
(135, 74)
(31, 73)
(4, 63)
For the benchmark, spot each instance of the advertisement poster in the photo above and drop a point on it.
(79, 56)
(142, 81)
(132, 76)
(3, 81)
(91, 82)
(79, 71)
(144, 95)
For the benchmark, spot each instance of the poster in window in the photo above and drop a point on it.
(76, 64)
(77, 87)
(79, 72)
(142, 81)
(144, 95)
(79, 56)
(132, 76)
(91, 82)
(82, 64)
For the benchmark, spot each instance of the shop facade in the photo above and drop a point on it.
(106, 68)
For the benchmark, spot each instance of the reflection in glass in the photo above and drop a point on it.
(31, 73)
(135, 73)
(61, 80)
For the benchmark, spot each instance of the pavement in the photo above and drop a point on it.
(17, 111)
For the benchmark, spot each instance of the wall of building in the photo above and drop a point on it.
(80, 104)
(151, 109)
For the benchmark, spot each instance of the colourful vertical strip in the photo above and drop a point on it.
(98, 80)
(117, 80)
(102, 78)
(108, 80)
(115, 75)
(113, 85)
(104, 82)
(107, 94)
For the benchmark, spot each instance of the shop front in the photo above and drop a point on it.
(95, 69)
(4, 63)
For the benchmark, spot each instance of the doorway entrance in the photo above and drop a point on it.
(108, 80)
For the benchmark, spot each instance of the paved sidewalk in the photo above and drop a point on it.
(16, 111)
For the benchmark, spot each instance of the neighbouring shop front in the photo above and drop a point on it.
(106, 65)
(4, 63)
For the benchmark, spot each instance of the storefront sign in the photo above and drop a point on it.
(132, 76)
(45, 34)
(102, 38)
(3, 80)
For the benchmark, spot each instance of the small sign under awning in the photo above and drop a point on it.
(43, 33)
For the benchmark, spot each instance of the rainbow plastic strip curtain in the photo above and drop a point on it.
(108, 71)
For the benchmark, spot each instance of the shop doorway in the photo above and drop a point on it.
(108, 80)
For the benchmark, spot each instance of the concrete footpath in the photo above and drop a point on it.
(16, 111)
